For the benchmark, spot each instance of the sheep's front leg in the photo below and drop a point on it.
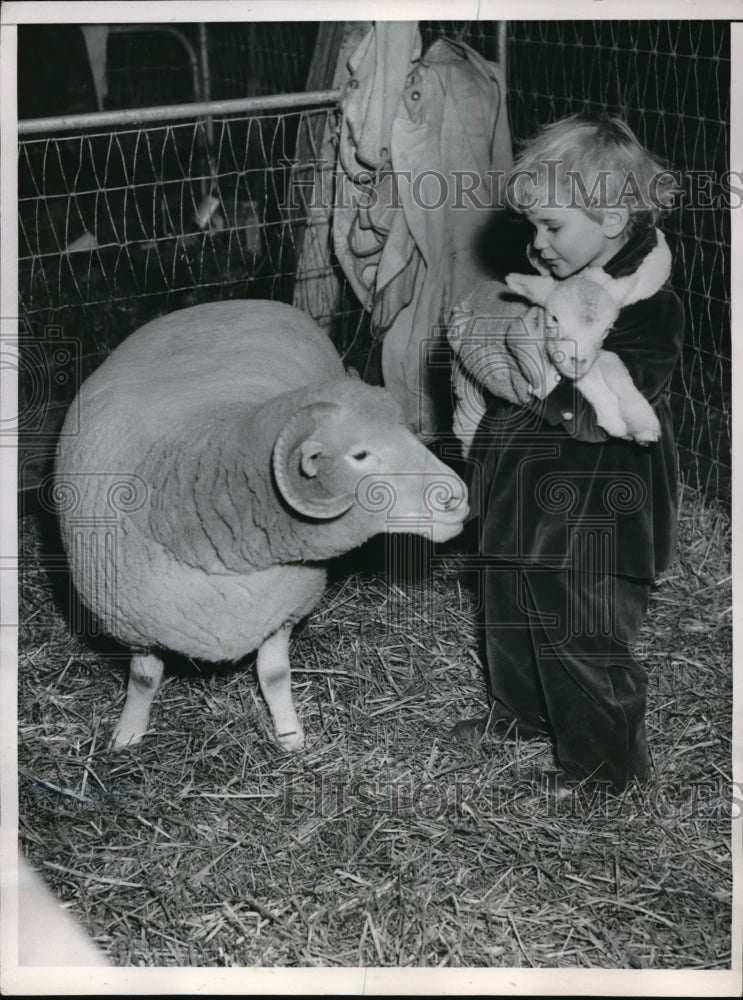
(274, 678)
(145, 675)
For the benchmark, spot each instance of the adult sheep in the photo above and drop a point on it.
(208, 469)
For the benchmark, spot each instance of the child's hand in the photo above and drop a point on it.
(526, 342)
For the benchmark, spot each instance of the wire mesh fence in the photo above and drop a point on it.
(122, 224)
(159, 210)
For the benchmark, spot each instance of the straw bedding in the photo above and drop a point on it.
(385, 843)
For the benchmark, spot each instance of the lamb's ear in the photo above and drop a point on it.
(537, 288)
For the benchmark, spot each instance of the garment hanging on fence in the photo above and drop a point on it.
(416, 135)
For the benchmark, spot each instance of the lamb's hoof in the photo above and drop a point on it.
(647, 436)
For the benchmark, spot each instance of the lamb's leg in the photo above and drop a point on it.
(637, 413)
(145, 674)
(597, 390)
(274, 678)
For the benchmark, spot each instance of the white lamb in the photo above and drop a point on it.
(515, 361)
(207, 471)
(581, 312)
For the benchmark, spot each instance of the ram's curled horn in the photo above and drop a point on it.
(298, 494)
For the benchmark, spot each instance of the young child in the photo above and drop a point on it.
(575, 524)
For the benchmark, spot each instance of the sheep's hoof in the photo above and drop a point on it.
(122, 738)
(291, 742)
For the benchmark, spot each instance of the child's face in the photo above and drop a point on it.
(567, 240)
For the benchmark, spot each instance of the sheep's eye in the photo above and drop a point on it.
(360, 455)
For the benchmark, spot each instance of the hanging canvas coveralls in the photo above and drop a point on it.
(416, 135)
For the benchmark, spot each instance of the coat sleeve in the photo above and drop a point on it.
(648, 337)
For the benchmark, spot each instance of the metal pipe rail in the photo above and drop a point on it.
(174, 112)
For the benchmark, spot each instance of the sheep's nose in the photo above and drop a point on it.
(456, 500)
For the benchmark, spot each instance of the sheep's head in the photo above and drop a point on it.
(579, 313)
(349, 456)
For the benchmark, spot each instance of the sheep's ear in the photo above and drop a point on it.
(310, 451)
(352, 373)
(298, 483)
(537, 288)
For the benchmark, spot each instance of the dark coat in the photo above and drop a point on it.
(544, 475)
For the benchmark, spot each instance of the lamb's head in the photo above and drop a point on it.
(579, 313)
(347, 458)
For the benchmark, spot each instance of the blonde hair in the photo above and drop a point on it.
(594, 165)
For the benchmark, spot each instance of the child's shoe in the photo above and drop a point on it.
(498, 724)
